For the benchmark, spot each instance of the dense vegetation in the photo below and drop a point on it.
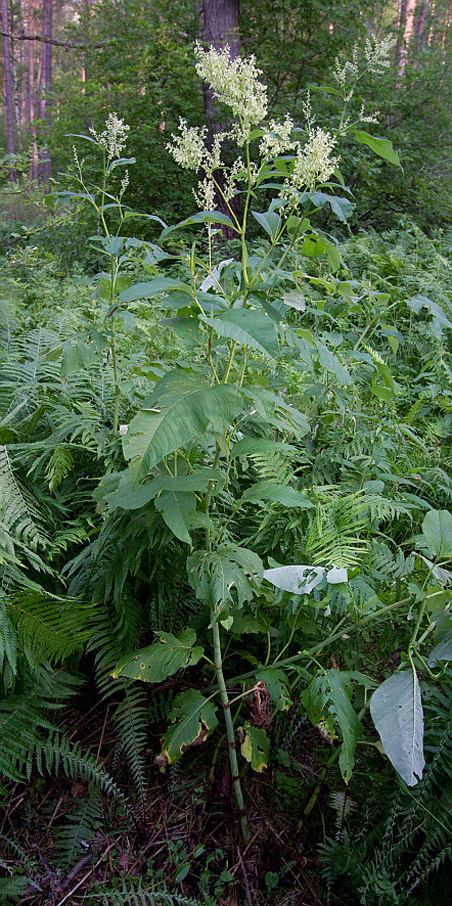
(225, 536)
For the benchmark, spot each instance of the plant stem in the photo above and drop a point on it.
(229, 731)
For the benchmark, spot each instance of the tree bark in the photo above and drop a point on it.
(8, 90)
(45, 101)
(410, 8)
(33, 171)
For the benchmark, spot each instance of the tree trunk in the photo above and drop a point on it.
(8, 89)
(45, 101)
(33, 171)
(410, 8)
(221, 26)
(14, 80)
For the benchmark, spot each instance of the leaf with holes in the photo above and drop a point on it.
(162, 659)
(255, 746)
(194, 719)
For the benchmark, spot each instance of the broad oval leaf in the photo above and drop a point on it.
(186, 409)
(442, 651)
(381, 146)
(149, 289)
(437, 533)
(194, 718)
(396, 710)
(247, 327)
(162, 659)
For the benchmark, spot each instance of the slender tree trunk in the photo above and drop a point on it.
(14, 80)
(401, 22)
(221, 26)
(45, 89)
(8, 89)
(421, 20)
(33, 172)
(410, 8)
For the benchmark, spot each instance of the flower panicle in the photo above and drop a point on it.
(114, 137)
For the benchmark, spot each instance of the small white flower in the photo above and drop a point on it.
(114, 137)
(277, 140)
(377, 53)
(188, 148)
(205, 195)
(235, 82)
(314, 163)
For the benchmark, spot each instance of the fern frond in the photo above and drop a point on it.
(72, 838)
(19, 512)
(131, 722)
(48, 627)
(59, 466)
(337, 536)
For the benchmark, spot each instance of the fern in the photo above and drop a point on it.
(335, 537)
(72, 838)
(20, 515)
(59, 466)
(139, 893)
(131, 722)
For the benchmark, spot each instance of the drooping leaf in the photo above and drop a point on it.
(149, 289)
(419, 302)
(247, 327)
(436, 536)
(442, 651)
(178, 511)
(157, 662)
(185, 409)
(270, 222)
(255, 746)
(276, 493)
(381, 146)
(252, 445)
(396, 710)
(194, 719)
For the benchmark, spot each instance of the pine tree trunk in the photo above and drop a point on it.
(8, 89)
(45, 89)
(33, 171)
(12, 27)
(410, 8)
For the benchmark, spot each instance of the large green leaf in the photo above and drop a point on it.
(194, 718)
(276, 493)
(118, 489)
(201, 217)
(270, 222)
(178, 510)
(186, 408)
(436, 535)
(149, 289)
(247, 327)
(213, 575)
(442, 651)
(255, 746)
(381, 146)
(162, 659)
(396, 710)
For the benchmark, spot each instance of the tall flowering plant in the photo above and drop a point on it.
(207, 417)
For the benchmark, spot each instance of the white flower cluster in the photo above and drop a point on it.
(235, 82)
(377, 53)
(314, 162)
(114, 137)
(278, 139)
(350, 67)
(188, 148)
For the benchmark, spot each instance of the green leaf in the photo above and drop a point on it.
(442, 651)
(201, 217)
(186, 408)
(186, 328)
(157, 662)
(333, 365)
(194, 718)
(276, 493)
(270, 222)
(342, 207)
(178, 510)
(436, 535)
(329, 694)
(396, 710)
(255, 746)
(213, 574)
(247, 327)
(381, 146)
(148, 290)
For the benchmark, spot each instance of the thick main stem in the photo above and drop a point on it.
(229, 730)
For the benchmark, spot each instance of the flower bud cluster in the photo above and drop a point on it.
(114, 137)
(235, 82)
(314, 162)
